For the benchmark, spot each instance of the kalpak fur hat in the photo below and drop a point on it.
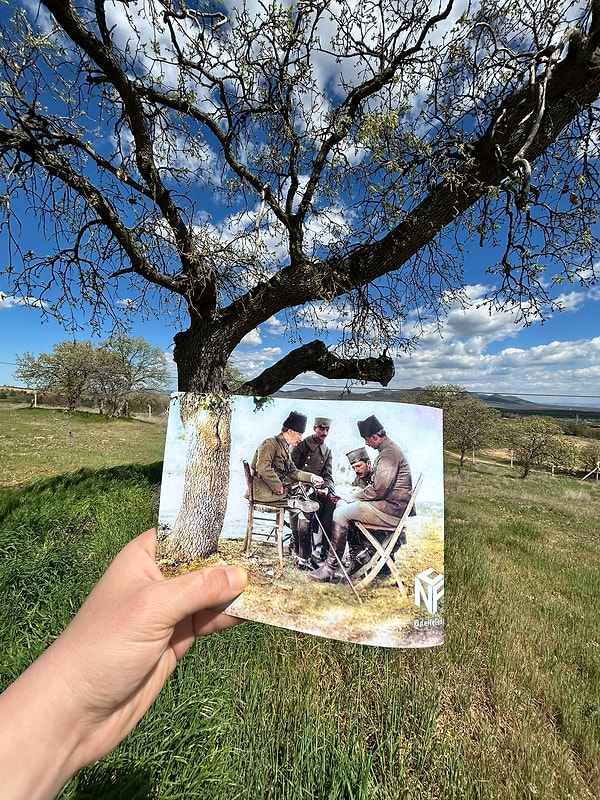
(369, 426)
(295, 422)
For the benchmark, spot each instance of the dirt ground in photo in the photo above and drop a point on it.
(288, 598)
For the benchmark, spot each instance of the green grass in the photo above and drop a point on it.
(508, 708)
(39, 443)
(56, 538)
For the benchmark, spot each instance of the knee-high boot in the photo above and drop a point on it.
(294, 541)
(304, 539)
(359, 551)
(326, 571)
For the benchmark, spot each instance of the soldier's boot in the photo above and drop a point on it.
(303, 553)
(319, 553)
(355, 547)
(359, 556)
(293, 545)
(326, 572)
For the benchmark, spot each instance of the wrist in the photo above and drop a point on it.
(39, 736)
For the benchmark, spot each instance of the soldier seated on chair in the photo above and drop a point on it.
(277, 481)
(359, 550)
(382, 501)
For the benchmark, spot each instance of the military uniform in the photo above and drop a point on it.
(382, 501)
(391, 481)
(277, 480)
(273, 469)
(362, 483)
(315, 456)
(359, 551)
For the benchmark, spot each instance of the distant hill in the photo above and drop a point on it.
(507, 404)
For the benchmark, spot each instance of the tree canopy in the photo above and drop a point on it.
(66, 370)
(470, 425)
(533, 440)
(325, 160)
(113, 372)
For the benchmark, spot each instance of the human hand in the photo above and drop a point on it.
(96, 681)
(316, 480)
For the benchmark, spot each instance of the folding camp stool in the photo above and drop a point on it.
(383, 550)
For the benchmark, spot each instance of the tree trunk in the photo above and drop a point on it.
(201, 357)
(205, 409)
(195, 533)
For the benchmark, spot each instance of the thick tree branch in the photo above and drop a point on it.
(315, 357)
(573, 86)
(202, 294)
(62, 170)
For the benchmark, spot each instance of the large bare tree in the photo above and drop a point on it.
(354, 148)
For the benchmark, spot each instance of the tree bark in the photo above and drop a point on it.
(195, 533)
(315, 357)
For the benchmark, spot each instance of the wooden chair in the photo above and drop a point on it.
(265, 521)
(383, 550)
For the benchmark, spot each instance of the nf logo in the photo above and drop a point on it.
(429, 587)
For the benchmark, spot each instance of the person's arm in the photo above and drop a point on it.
(81, 697)
(383, 480)
(266, 455)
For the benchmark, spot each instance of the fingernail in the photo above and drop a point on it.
(237, 577)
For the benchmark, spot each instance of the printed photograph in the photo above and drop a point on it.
(335, 509)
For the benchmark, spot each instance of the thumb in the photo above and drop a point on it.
(208, 588)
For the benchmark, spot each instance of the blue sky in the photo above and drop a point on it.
(479, 348)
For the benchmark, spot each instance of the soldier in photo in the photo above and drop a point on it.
(384, 500)
(313, 455)
(359, 551)
(362, 466)
(276, 480)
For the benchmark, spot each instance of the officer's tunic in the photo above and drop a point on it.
(273, 469)
(314, 457)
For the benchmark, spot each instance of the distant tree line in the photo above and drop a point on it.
(112, 373)
(471, 425)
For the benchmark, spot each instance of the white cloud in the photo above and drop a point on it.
(570, 368)
(7, 301)
(128, 303)
(171, 365)
(252, 339)
(252, 364)
(468, 351)
(276, 326)
(473, 318)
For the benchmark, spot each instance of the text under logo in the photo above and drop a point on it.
(429, 588)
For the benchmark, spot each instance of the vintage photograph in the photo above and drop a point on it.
(335, 509)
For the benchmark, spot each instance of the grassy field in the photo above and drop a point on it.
(39, 443)
(508, 708)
